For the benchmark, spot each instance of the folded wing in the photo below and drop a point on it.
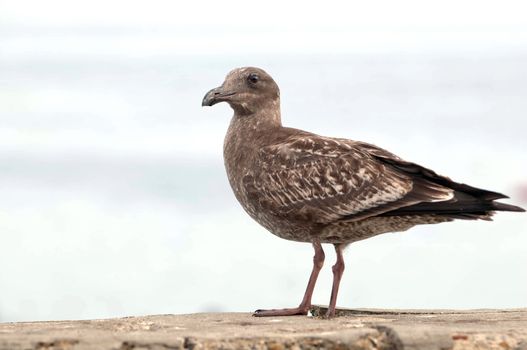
(310, 177)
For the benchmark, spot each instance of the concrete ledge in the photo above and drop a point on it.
(353, 329)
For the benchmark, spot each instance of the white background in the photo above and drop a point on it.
(113, 197)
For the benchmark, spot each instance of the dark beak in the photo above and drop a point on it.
(216, 95)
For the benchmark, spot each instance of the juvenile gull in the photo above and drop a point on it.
(309, 188)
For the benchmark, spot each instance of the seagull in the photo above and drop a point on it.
(309, 188)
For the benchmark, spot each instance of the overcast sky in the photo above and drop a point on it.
(167, 27)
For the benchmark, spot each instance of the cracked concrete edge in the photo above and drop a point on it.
(355, 339)
(503, 329)
(371, 340)
(361, 329)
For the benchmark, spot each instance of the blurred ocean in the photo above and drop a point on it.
(114, 201)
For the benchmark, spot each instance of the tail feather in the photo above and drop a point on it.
(462, 206)
(506, 207)
(468, 203)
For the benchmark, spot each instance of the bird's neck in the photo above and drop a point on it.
(263, 118)
(249, 132)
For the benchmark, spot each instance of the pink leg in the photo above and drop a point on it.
(305, 305)
(338, 270)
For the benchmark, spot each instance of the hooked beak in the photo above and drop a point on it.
(216, 95)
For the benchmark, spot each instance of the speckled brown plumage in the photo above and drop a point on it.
(309, 188)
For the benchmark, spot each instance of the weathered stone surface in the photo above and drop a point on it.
(353, 329)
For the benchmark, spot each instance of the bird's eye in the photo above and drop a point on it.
(253, 78)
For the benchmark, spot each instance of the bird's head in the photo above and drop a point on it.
(246, 90)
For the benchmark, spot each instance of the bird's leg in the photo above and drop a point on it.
(338, 269)
(305, 305)
(318, 262)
